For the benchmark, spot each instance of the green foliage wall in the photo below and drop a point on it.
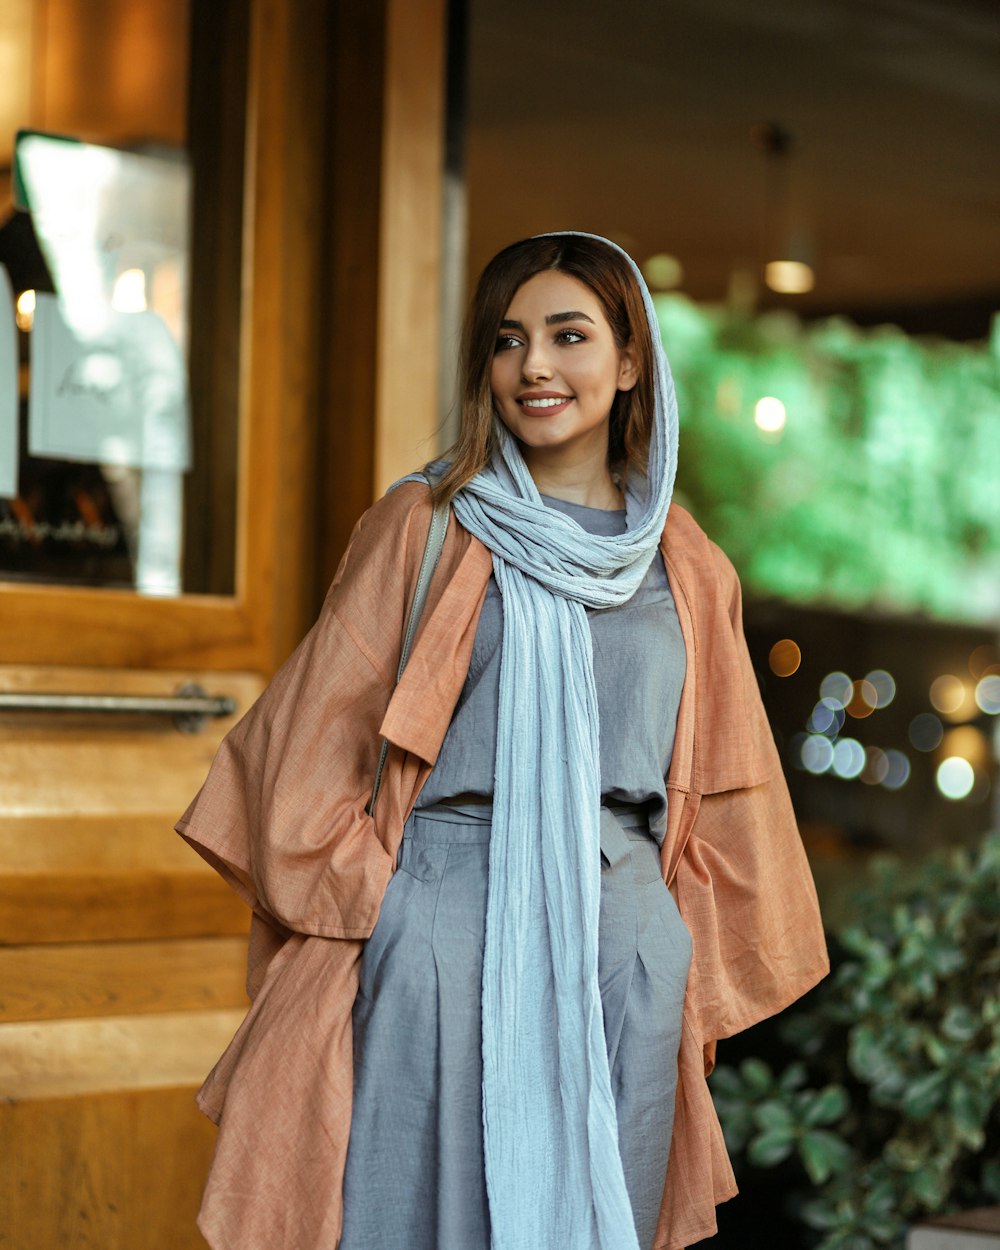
(883, 488)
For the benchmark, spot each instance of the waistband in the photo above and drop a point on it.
(475, 816)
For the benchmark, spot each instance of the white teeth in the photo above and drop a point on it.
(542, 403)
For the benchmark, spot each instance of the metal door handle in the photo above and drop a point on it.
(189, 707)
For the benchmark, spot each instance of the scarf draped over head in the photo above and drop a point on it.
(553, 1169)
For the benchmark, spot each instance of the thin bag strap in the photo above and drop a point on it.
(432, 554)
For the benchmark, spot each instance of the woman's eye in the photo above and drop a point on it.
(505, 342)
(570, 336)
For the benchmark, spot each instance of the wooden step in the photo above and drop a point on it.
(121, 978)
(120, 1171)
(72, 879)
(67, 1058)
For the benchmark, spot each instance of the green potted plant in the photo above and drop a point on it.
(890, 1107)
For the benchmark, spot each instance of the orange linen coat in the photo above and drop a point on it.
(282, 818)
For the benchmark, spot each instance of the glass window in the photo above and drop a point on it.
(119, 297)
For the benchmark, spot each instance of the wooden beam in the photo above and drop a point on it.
(409, 326)
(382, 316)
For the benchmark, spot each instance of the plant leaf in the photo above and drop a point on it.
(929, 1186)
(960, 1023)
(968, 1105)
(924, 1095)
(826, 1106)
(757, 1075)
(774, 1117)
(793, 1077)
(824, 1153)
(820, 1213)
(768, 1149)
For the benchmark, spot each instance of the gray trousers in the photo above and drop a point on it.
(415, 1176)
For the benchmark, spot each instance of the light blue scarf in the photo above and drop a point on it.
(553, 1169)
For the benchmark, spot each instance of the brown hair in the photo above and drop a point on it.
(607, 272)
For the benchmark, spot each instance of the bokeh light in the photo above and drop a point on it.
(129, 294)
(926, 732)
(884, 685)
(988, 694)
(789, 277)
(728, 397)
(898, 773)
(955, 777)
(827, 717)
(817, 754)
(662, 271)
(983, 660)
(863, 700)
(838, 687)
(769, 415)
(785, 658)
(968, 742)
(848, 758)
(949, 695)
(24, 310)
(876, 767)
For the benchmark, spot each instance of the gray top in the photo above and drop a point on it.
(639, 664)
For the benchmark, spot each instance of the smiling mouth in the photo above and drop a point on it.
(545, 403)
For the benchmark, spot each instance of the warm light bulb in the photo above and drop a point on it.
(24, 310)
(789, 277)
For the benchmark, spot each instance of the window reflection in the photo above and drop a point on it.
(108, 376)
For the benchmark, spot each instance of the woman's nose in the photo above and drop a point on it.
(536, 363)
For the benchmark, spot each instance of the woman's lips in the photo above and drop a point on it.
(543, 404)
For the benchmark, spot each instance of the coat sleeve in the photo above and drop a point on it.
(743, 884)
(282, 813)
(738, 870)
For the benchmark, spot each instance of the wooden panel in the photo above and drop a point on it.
(347, 442)
(78, 880)
(66, 909)
(80, 980)
(410, 260)
(386, 149)
(114, 69)
(65, 1058)
(87, 847)
(286, 186)
(216, 143)
(112, 771)
(17, 38)
(117, 1171)
(53, 624)
(108, 763)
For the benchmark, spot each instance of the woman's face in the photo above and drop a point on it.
(557, 367)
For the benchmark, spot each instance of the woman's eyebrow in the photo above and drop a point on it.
(560, 317)
(553, 319)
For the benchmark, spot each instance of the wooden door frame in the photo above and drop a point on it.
(288, 421)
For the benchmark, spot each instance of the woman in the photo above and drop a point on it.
(514, 1054)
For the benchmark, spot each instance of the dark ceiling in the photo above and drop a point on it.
(634, 119)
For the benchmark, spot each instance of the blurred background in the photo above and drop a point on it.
(239, 237)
